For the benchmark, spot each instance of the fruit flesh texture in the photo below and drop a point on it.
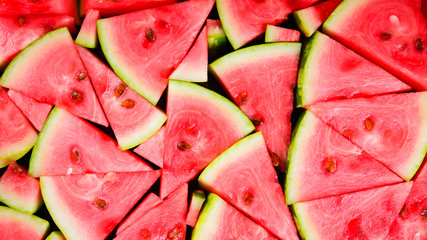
(88, 36)
(279, 34)
(19, 225)
(153, 148)
(113, 8)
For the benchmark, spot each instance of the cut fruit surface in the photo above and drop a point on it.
(391, 128)
(69, 145)
(201, 125)
(301, 4)
(217, 41)
(330, 71)
(88, 36)
(113, 8)
(244, 177)
(57, 76)
(18, 225)
(145, 47)
(153, 148)
(196, 203)
(260, 80)
(329, 164)
(90, 206)
(132, 118)
(279, 34)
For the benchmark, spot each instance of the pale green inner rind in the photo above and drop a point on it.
(304, 22)
(229, 23)
(209, 218)
(18, 149)
(86, 39)
(303, 222)
(341, 13)
(56, 235)
(19, 202)
(270, 33)
(35, 223)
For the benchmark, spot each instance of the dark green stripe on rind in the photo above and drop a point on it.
(206, 221)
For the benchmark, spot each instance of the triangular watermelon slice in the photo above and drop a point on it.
(329, 164)
(50, 71)
(166, 221)
(144, 47)
(201, 125)
(280, 34)
(330, 71)
(197, 199)
(194, 67)
(260, 80)
(391, 128)
(88, 36)
(361, 215)
(220, 220)
(153, 148)
(90, 206)
(69, 145)
(391, 33)
(132, 118)
(244, 177)
(18, 225)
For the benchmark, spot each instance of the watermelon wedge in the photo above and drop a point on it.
(36, 112)
(391, 128)
(330, 71)
(90, 206)
(391, 33)
(113, 7)
(166, 221)
(329, 164)
(20, 191)
(17, 135)
(50, 71)
(361, 215)
(132, 118)
(88, 36)
(280, 34)
(56, 235)
(260, 80)
(201, 125)
(145, 47)
(244, 177)
(153, 148)
(220, 220)
(18, 225)
(196, 203)
(217, 41)
(244, 20)
(194, 67)
(69, 145)
(18, 31)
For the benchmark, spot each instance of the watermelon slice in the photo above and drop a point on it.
(90, 206)
(18, 31)
(50, 71)
(256, 190)
(153, 148)
(166, 221)
(17, 135)
(20, 191)
(391, 128)
(132, 118)
(330, 71)
(36, 112)
(279, 34)
(220, 220)
(410, 224)
(19, 225)
(114, 7)
(329, 164)
(69, 145)
(145, 47)
(56, 235)
(361, 215)
(391, 33)
(217, 41)
(260, 80)
(309, 19)
(244, 20)
(88, 36)
(196, 203)
(201, 125)
(194, 67)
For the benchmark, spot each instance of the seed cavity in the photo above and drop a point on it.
(120, 90)
(274, 159)
(248, 198)
(347, 133)
(128, 103)
(403, 211)
(145, 234)
(257, 121)
(81, 75)
(100, 203)
(369, 124)
(419, 45)
(330, 164)
(76, 95)
(241, 98)
(162, 23)
(385, 36)
(150, 35)
(21, 21)
(74, 155)
(16, 168)
(183, 146)
(424, 214)
(175, 233)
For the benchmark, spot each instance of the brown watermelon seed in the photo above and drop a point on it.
(77, 96)
(419, 45)
(385, 36)
(403, 211)
(145, 234)
(75, 155)
(150, 35)
(174, 233)
(424, 214)
(120, 89)
(16, 168)
(162, 23)
(347, 133)
(241, 98)
(21, 21)
(248, 199)
(257, 121)
(81, 75)
(128, 103)
(274, 159)
(100, 203)
(330, 165)
(369, 124)
(183, 146)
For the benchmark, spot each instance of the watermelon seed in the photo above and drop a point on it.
(77, 96)
(419, 45)
(174, 233)
(74, 155)
(330, 165)
(248, 199)
(81, 75)
(120, 89)
(274, 159)
(241, 98)
(145, 234)
(162, 24)
(21, 20)
(128, 103)
(100, 203)
(347, 133)
(257, 121)
(403, 211)
(184, 146)
(16, 168)
(424, 214)
(369, 124)
(150, 35)
(385, 36)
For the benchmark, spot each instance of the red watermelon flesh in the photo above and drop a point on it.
(196, 203)
(391, 128)
(280, 34)
(411, 222)
(329, 164)
(245, 20)
(361, 215)
(90, 206)
(201, 125)
(36, 112)
(330, 71)
(132, 118)
(260, 80)
(194, 67)
(17, 136)
(50, 71)
(145, 47)
(19, 225)
(166, 221)
(114, 7)
(153, 148)
(391, 33)
(88, 36)
(424, 8)
(300, 4)
(18, 31)
(150, 202)
(69, 145)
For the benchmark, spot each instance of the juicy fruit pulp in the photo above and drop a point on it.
(19, 225)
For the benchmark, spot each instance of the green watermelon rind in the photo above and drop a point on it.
(18, 149)
(304, 22)
(56, 235)
(339, 15)
(87, 40)
(209, 217)
(303, 222)
(37, 224)
(227, 24)
(19, 202)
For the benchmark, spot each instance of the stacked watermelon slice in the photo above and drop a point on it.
(271, 136)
